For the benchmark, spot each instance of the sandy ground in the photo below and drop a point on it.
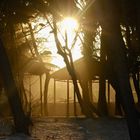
(71, 129)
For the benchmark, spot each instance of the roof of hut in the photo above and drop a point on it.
(84, 69)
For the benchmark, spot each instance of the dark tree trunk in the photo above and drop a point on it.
(21, 121)
(113, 82)
(86, 108)
(86, 96)
(117, 57)
(133, 66)
(85, 90)
(102, 103)
(118, 61)
(24, 97)
(118, 107)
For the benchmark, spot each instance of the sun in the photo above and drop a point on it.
(69, 24)
(68, 28)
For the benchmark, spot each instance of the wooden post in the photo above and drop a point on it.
(47, 79)
(67, 98)
(108, 88)
(30, 96)
(41, 103)
(90, 90)
(75, 109)
(54, 99)
(138, 77)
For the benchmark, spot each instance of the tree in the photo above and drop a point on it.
(111, 15)
(87, 108)
(21, 121)
(13, 12)
(116, 55)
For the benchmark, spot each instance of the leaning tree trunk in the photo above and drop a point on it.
(117, 56)
(86, 95)
(21, 121)
(86, 108)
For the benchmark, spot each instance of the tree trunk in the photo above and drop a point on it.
(85, 90)
(114, 84)
(134, 68)
(21, 121)
(87, 109)
(118, 107)
(102, 103)
(86, 96)
(117, 56)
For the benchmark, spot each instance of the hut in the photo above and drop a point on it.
(33, 77)
(86, 70)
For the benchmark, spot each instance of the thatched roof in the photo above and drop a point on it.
(35, 68)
